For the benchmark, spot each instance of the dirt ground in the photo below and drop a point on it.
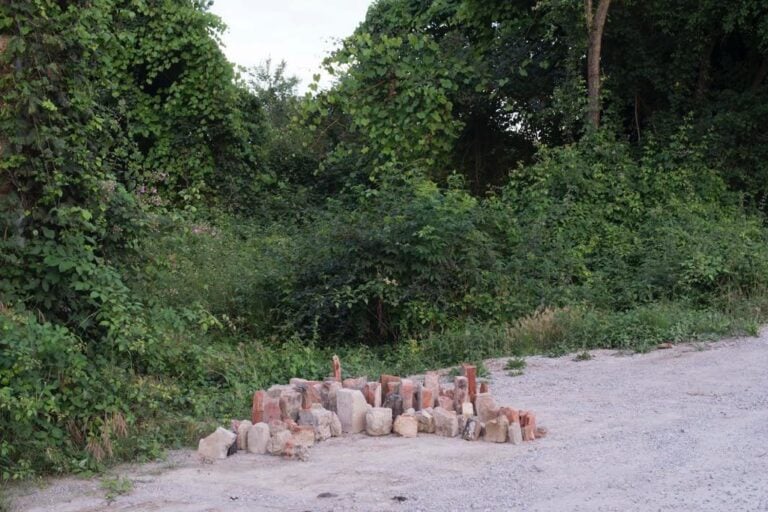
(678, 429)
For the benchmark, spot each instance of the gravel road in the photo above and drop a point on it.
(678, 429)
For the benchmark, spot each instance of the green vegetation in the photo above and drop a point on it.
(116, 486)
(175, 235)
(515, 363)
(515, 366)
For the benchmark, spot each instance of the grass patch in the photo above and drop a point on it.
(515, 366)
(116, 486)
(516, 363)
(583, 356)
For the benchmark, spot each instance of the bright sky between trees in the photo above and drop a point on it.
(301, 32)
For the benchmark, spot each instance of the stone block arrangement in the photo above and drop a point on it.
(288, 419)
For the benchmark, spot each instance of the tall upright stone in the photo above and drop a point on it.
(470, 372)
(460, 393)
(407, 392)
(328, 394)
(424, 398)
(432, 382)
(257, 409)
(335, 425)
(395, 402)
(306, 391)
(372, 394)
(515, 433)
(242, 434)
(336, 368)
(528, 424)
(351, 408)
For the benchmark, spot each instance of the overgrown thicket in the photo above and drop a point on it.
(176, 234)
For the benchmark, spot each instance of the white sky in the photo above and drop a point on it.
(301, 32)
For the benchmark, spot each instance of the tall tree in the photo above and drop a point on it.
(595, 27)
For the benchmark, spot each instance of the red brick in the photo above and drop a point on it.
(257, 410)
(307, 395)
(528, 422)
(372, 392)
(470, 372)
(445, 402)
(385, 380)
(425, 400)
(271, 410)
(358, 384)
(529, 433)
(527, 418)
(432, 382)
(513, 415)
(406, 391)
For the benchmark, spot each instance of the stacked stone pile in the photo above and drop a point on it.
(288, 419)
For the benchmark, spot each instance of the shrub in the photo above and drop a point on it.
(401, 259)
(592, 223)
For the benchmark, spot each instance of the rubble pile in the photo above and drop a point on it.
(288, 419)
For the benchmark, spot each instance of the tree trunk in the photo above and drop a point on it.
(595, 26)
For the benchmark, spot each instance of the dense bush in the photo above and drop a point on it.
(595, 224)
(400, 259)
(589, 224)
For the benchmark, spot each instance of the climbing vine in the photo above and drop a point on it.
(111, 110)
